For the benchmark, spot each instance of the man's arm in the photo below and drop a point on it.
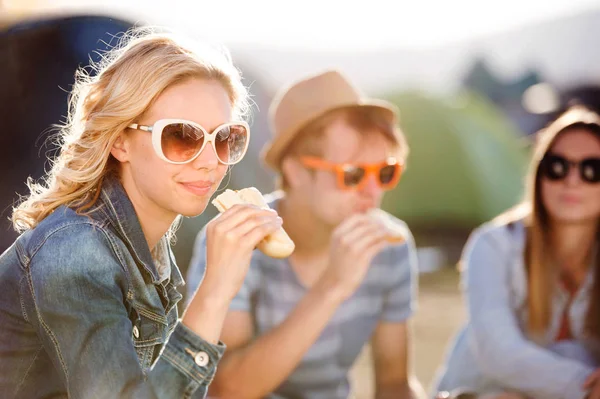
(252, 369)
(390, 348)
(390, 341)
(255, 368)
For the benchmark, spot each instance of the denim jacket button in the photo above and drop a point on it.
(201, 359)
(136, 332)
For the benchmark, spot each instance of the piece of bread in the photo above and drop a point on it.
(396, 233)
(276, 245)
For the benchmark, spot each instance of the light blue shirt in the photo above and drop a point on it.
(492, 352)
(272, 290)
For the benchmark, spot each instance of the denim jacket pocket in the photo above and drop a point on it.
(149, 335)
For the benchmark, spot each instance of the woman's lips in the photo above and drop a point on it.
(198, 187)
(570, 199)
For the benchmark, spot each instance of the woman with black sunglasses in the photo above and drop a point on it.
(89, 290)
(532, 280)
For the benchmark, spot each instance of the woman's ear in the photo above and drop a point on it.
(120, 148)
(295, 174)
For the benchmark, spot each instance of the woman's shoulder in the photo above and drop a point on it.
(71, 256)
(61, 219)
(67, 237)
(508, 229)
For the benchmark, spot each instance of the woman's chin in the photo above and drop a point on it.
(572, 219)
(193, 210)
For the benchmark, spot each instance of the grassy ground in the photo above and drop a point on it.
(440, 314)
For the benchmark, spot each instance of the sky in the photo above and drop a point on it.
(332, 24)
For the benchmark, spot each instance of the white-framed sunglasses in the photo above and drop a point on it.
(179, 141)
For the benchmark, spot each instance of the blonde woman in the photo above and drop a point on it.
(532, 280)
(88, 291)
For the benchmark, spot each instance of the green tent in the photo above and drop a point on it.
(466, 162)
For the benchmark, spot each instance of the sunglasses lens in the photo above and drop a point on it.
(353, 176)
(590, 170)
(555, 168)
(231, 142)
(180, 142)
(388, 173)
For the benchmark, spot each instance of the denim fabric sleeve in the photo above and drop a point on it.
(503, 353)
(79, 293)
(400, 299)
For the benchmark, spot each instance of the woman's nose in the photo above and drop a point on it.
(206, 158)
(573, 178)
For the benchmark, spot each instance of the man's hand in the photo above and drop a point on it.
(354, 244)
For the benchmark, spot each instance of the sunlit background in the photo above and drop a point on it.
(474, 81)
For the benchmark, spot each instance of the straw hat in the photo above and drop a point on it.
(308, 99)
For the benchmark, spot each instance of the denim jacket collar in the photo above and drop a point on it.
(120, 211)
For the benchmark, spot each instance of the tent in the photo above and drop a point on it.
(466, 161)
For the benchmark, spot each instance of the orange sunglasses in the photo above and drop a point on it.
(354, 176)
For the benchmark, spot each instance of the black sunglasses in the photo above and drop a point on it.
(555, 167)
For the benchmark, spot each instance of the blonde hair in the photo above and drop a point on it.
(541, 269)
(127, 82)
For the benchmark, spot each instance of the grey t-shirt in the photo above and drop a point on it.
(271, 290)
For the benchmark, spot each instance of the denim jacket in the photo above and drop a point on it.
(84, 315)
(492, 352)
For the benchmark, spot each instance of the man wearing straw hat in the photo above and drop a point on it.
(298, 324)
